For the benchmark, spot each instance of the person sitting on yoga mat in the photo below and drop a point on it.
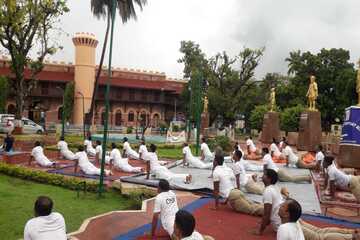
(292, 160)
(64, 150)
(319, 158)
(8, 142)
(336, 178)
(161, 172)
(247, 164)
(251, 148)
(142, 150)
(90, 150)
(244, 180)
(37, 153)
(166, 206)
(98, 155)
(86, 166)
(184, 227)
(206, 154)
(46, 224)
(128, 151)
(121, 163)
(281, 143)
(189, 159)
(290, 228)
(284, 176)
(275, 150)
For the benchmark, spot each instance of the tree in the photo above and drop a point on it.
(25, 29)
(257, 116)
(4, 86)
(289, 118)
(68, 100)
(102, 9)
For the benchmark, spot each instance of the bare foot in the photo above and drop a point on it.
(285, 192)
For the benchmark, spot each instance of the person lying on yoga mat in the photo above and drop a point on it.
(284, 176)
(166, 207)
(244, 180)
(184, 227)
(85, 165)
(190, 160)
(161, 172)
(37, 153)
(90, 150)
(64, 151)
(98, 155)
(142, 150)
(275, 150)
(248, 165)
(336, 178)
(128, 151)
(120, 163)
(206, 154)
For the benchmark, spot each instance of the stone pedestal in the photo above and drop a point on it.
(349, 149)
(204, 122)
(270, 128)
(309, 131)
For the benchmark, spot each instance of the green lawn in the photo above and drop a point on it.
(17, 199)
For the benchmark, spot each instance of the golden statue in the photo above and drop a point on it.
(206, 103)
(272, 100)
(358, 84)
(312, 93)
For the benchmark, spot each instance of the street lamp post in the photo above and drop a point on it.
(83, 103)
(62, 112)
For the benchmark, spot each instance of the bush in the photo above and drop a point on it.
(257, 116)
(175, 128)
(47, 178)
(221, 141)
(129, 130)
(289, 118)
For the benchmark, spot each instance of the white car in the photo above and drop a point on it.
(29, 127)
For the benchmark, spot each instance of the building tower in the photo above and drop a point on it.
(85, 46)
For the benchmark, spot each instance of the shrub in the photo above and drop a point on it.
(47, 178)
(289, 118)
(221, 141)
(257, 116)
(129, 130)
(175, 128)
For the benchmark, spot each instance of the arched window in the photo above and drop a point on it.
(143, 118)
(156, 120)
(131, 116)
(11, 109)
(118, 118)
(59, 116)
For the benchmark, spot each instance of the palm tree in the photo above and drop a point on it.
(102, 9)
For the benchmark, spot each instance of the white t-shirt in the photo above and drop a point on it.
(153, 159)
(98, 150)
(288, 152)
(187, 151)
(126, 146)
(319, 156)
(143, 150)
(88, 143)
(290, 231)
(194, 236)
(251, 145)
(341, 179)
(38, 153)
(62, 146)
(239, 168)
(275, 149)
(83, 159)
(273, 196)
(166, 205)
(226, 177)
(205, 149)
(267, 160)
(46, 227)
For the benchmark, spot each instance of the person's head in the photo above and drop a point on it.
(113, 145)
(274, 141)
(284, 139)
(319, 148)
(270, 177)
(153, 148)
(285, 143)
(265, 151)
(203, 140)
(125, 139)
(81, 148)
(237, 155)
(43, 206)
(328, 160)
(164, 186)
(218, 151)
(142, 142)
(184, 224)
(248, 137)
(98, 143)
(62, 138)
(290, 211)
(185, 144)
(89, 137)
(219, 159)
(37, 143)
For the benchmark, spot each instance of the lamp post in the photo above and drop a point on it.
(62, 112)
(83, 103)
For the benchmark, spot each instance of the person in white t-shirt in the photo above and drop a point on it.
(85, 165)
(319, 158)
(184, 228)
(161, 172)
(251, 148)
(142, 150)
(37, 153)
(128, 151)
(290, 157)
(64, 150)
(166, 207)
(46, 224)
(99, 150)
(247, 164)
(90, 150)
(290, 228)
(338, 179)
(275, 150)
(272, 199)
(206, 154)
(243, 179)
(121, 163)
(281, 144)
(189, 159)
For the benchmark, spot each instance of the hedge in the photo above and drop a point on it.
(47, 178)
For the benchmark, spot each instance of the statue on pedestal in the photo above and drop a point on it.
(272, 100)
(358, 84)
(206, 103)
(312, 93)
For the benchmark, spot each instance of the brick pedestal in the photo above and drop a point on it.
(204, 122)
(270, 128)
(309, 131)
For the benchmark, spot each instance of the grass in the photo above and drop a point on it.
(18, 197)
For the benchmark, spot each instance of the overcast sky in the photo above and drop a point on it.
(152, 42)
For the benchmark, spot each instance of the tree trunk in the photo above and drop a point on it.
(97, 78)
(19, 99)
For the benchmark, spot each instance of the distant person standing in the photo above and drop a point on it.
(8, 143)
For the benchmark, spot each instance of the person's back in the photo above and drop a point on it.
(225, 176)
(166, 204)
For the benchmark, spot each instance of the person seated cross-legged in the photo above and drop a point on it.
(37, 153)
(253, 152)
(85, 165)
(275, 150)
(121, 163)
